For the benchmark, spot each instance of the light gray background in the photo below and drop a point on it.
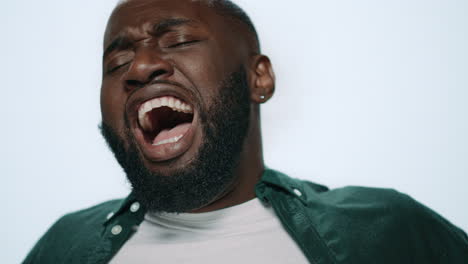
(369, 93)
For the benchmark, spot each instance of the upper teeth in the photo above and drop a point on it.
(169, 101)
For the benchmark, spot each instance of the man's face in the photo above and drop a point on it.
(174, 100)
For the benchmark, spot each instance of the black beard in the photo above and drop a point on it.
(224, 126)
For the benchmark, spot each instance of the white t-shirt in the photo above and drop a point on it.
(242, 234)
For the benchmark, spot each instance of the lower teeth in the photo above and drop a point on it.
(169, 140)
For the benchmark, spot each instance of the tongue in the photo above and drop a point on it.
(166, 134)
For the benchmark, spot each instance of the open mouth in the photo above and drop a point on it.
(165, 120)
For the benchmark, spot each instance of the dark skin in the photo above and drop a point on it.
(194, 49)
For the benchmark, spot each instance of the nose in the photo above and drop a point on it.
(147, 65)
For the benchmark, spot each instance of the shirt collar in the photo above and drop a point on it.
(274, 180)
(121, 207)
(270, 181)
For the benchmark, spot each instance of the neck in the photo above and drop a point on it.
(246, 174)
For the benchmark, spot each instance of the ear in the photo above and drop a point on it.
(262, 79)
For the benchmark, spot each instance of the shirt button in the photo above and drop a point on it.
(297, 192)
(117, 229)
(111, 214)
(135, 207)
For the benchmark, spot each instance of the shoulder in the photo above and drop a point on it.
(71, 230)
(94, 214)
(88, 219)
(381, 199)
(368, 225)
(384, 223)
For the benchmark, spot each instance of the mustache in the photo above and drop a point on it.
(162, 81)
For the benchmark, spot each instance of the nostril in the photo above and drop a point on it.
(133, 84)
(154, 75)
(136, 84)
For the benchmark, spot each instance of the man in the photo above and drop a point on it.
(182, 84)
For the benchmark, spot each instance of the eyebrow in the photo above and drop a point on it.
(166, 25)
(158, 29)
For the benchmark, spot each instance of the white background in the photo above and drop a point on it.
(368, 93)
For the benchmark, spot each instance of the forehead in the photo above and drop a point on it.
(136, 14)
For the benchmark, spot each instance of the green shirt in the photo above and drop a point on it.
(346, 225)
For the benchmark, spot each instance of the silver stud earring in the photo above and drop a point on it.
(262, 97)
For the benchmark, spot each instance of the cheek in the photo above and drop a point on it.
(205, 70)
(112, 105)
(202, 69)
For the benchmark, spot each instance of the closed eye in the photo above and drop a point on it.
(116, 67)
(117, 61)
(182, 44)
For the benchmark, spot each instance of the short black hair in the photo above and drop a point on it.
(232, 10)
(227, 8)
